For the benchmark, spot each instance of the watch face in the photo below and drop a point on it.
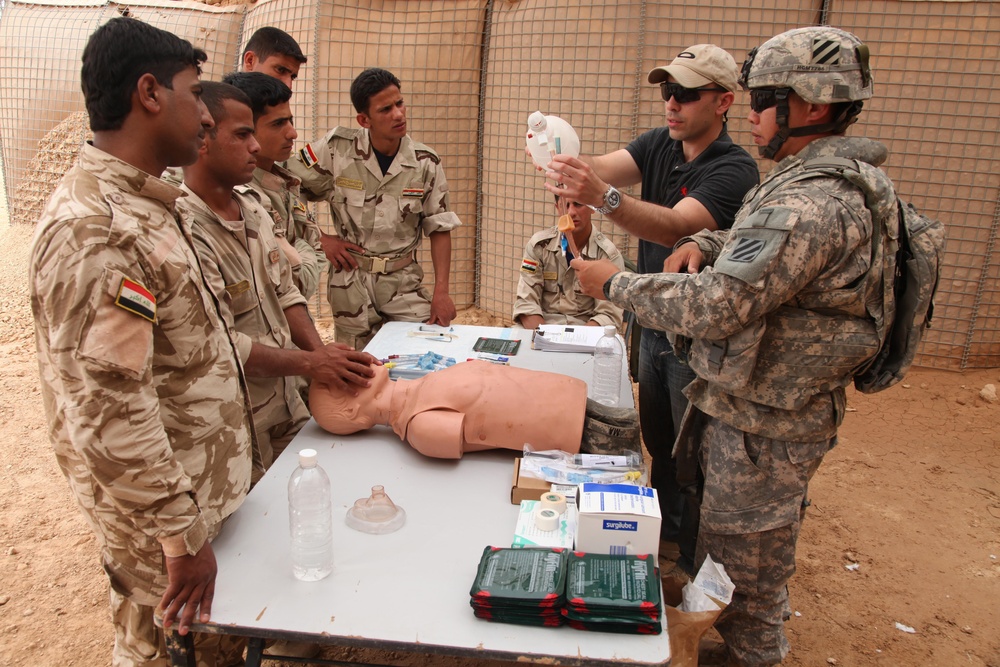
(613, 199)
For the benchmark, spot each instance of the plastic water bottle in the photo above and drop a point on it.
(310, 518)
(549, 135)
(608, 354)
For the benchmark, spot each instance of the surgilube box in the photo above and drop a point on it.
(617, 519)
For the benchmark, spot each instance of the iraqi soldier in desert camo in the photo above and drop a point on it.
(782, 310)
(145, 398)
(386, 192)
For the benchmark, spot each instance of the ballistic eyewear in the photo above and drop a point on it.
(684, 95)
(762, 99)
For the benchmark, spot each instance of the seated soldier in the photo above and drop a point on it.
(547, 292)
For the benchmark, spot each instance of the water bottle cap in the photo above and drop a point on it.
(610, 330)
(307, 458)
(536, 122)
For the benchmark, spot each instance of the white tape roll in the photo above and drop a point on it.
(553, 501)
(546, 519)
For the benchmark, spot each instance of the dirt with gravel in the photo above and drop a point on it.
(899, 558)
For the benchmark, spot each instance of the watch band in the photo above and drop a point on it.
(612, 200)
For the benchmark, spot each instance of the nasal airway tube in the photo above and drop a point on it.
(553, 501)
(547, 519)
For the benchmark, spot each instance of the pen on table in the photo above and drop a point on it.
(492, 358)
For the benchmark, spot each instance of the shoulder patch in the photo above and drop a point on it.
(746, 250)
(529, 265)
(755, 244)
(413, 192)
(136, 299)
(308, 156)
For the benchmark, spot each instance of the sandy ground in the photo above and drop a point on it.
(911, 495)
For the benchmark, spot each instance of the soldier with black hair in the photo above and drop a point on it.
(274, 52)
(143, 390)
(386, 192)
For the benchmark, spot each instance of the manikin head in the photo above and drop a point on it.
(344, 414)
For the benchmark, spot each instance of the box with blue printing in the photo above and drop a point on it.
(617, 519)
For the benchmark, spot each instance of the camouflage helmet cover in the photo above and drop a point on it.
(823, 65)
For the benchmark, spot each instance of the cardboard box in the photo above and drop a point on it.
(526, 488)
(617, 519)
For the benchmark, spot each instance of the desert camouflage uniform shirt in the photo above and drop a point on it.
(385, 214)
(249, 274)
(548, 287)
(796, 257)
(279, 191)
(142, 387)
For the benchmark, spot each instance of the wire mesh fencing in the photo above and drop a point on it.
(472, 71)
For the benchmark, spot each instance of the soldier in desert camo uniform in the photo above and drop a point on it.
(386, 192)
(144, 394)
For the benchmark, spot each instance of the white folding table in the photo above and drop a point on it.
(409, 590)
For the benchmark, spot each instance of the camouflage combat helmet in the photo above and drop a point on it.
(823, 65)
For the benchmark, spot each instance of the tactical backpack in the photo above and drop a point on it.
(909, 291)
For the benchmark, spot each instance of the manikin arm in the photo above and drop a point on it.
(437, 433)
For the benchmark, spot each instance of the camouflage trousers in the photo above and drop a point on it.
(752, 506)
(137, 576)
(273, 440)
(362, 301)
(140, 643)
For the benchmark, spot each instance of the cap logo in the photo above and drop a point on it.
(687, 54)
(825, 52)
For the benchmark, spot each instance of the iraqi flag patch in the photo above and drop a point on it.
(136, 299)
(308, 157)
(413, 192)
(529, 265)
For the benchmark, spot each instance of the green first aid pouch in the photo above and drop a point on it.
(621, 628)
(619, 586)
(521, 577)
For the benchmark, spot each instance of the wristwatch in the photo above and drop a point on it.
(612, 200)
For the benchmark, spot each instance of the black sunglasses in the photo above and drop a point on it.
(762, 99)
(684, 95)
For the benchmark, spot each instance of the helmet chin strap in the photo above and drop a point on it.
(837, 126)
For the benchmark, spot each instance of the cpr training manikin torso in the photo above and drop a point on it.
(467, 407)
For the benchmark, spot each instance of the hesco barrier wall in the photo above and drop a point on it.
(472, 71)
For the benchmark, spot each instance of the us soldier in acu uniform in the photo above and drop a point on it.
(385, 192)
(786, 309)
(142, 387)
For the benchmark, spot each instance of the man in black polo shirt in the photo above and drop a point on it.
(693, 177)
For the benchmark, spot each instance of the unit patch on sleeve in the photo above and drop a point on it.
(746, 250)
(529, 265)
(136, 299)
(308, 157)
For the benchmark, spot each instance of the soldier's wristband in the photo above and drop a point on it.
(607, 287)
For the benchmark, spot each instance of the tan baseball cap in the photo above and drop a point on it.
(698, 66)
